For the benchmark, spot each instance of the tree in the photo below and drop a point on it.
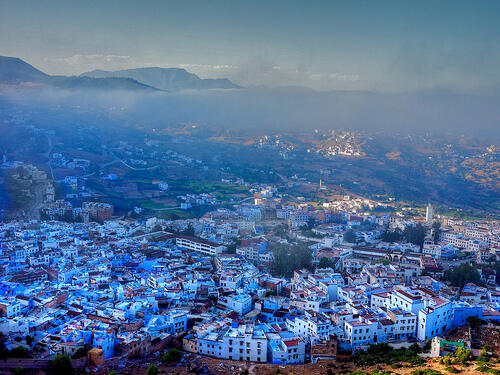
(281, 230)
(152, 369)
(325, 262)
(81, 352)
(29, 340)
(436, 231)
(350, 236)
(19, 352)
(311, 223)
(231, 249)
(61, 365)
(483, 355)
(173, 355)
(414, 234)
(189, 231)
(157, 228)
(462, 274)
(393, 236)
(462, 355)
(474, 321)
(288, 258)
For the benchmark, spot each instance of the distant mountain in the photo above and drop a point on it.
(166, 78)
(16, 71)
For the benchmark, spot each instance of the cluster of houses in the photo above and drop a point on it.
(131, 287)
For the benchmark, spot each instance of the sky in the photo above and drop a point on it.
(381, 46)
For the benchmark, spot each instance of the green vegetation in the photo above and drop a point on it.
(288, 258)
(463, 274)
(474, 321)
(325, 262)
(485, 368)
(483, 355)
(29, 340)
(383, 353)
(413, 234)
(81, 352)
(436, 231)
(152, 369)
(385, 262)
(19, 352)
(307, 230)
(61, 365)
(425, 371)
(350, 236)
(20, 371)
(173, 355)
(462, 355)
(452, 370)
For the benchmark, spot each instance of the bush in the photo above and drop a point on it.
(483, 368)
(474, 321)
(19, 352)
(383, 353)
(425, 371)
(486, 368)
(152, 369)
(81, 352)
(483, 356)
(19, 371)
(462, 355)
(452, 370)
(61, 365)
(395, 366)
(173, 355)
(447, 360)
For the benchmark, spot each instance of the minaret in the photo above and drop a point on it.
(429, 212)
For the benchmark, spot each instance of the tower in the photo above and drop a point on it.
(429, 213)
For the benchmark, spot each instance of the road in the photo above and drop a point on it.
(47, 155)
(34, 211)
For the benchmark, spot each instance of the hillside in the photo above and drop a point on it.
(14, 71)
(165, 78)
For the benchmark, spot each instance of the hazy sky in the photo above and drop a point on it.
(364, 45)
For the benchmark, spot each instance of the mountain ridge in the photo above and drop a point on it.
(15, 71)
(165, 78)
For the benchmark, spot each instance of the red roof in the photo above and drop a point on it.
(292, 342)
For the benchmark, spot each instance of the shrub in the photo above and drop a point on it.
(447, 360)
(173, 355)
(152, 369)
(452, 370)
(425, 371)
(19, 352)
(61, 365)
(383, 353)
(474, 321)
(397, 365)
(81, 352)
(483, 368)
(462, 355)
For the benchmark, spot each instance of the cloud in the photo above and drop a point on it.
(254, 72)
(260, 72)
(80, 63)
